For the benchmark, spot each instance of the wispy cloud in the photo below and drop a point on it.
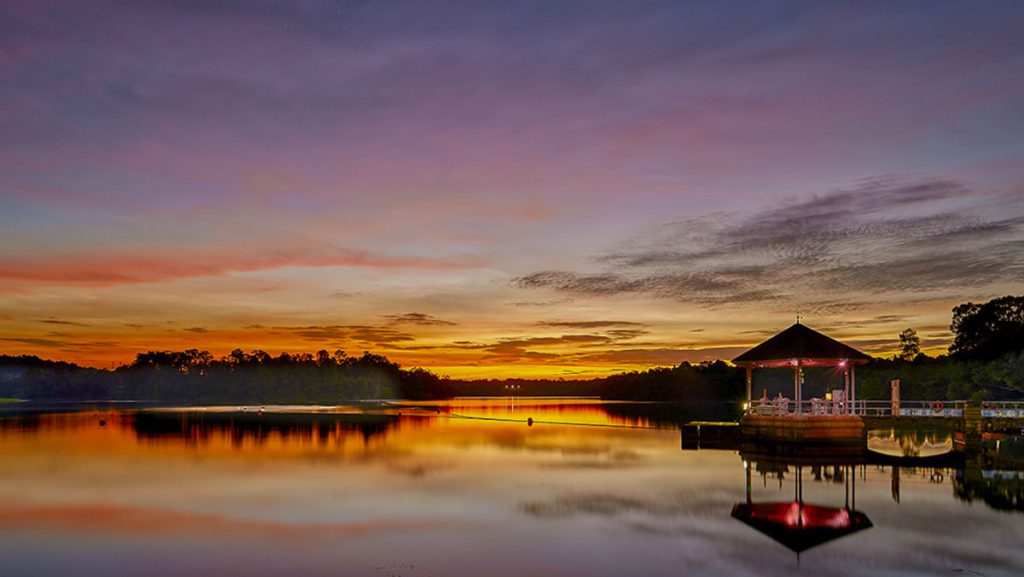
(589, 324)
(63, 322)
(420, 319)
(884, 236)
(68, 345)
(521, 349)
(34, 341)
(657, 356)
(364, 334)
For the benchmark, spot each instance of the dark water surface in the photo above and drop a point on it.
(471, 490)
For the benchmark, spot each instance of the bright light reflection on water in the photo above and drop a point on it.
(470, 488)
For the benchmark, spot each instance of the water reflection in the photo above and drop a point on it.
(243, 429)
(799, 525)
(995, 475)
(469, 488)
(910, 442)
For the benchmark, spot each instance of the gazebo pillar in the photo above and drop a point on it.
(749, 381)
(853, 388)
(796, 386)
(846, 390)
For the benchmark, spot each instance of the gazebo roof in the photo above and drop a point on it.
(802, 343)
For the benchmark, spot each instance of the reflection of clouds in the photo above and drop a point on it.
(597, 504)
(680, 505)
(612, 460)
(580, 464)
(133, 520)
(418, 469)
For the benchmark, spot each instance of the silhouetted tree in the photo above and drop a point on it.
(987, 331)
(910, 345)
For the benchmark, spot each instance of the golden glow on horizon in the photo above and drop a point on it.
(451, 357)
(470, 333)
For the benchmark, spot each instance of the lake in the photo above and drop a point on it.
(469, 488)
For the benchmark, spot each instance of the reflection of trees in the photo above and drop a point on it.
(20, 423)
(1003, 491)
(994, 475)
(668, 415)
(201, 428)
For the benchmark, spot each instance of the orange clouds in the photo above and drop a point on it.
(108, 268)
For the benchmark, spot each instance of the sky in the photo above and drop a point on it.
(491, 189)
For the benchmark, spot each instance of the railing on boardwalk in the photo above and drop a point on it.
(868, 408)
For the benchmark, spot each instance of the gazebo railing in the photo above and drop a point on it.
(871, 408)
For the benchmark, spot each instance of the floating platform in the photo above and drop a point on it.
(809, 429)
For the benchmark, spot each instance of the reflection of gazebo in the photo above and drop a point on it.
(798, 347)
(798, 525)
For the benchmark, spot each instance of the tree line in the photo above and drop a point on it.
(985, 361)
(195, 376)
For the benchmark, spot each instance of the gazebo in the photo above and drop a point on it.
(800, 346)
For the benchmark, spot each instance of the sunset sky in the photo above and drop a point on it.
(503, 188)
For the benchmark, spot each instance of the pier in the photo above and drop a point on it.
(808, 430)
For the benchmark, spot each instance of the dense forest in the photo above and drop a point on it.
(196, 377)
(986, 361)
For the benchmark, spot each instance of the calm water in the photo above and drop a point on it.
(470, 489)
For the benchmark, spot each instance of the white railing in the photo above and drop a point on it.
(813, 407)
(912, 408)
(1004, 409)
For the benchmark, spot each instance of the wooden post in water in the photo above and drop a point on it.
(894, 485)
(895, 385)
